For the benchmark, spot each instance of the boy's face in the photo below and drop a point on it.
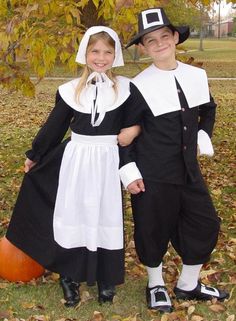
(160, 45)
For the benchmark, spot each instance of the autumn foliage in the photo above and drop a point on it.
(38, 35)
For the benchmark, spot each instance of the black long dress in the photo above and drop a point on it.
(31, 225)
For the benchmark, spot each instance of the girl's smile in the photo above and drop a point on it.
(100, 56)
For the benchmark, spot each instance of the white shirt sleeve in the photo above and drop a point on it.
(129, 173)
(204, 144)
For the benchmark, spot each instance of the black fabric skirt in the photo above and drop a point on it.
(31, 229)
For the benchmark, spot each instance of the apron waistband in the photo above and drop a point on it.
(94, 140)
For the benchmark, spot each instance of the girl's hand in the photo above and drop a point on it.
(28, 165)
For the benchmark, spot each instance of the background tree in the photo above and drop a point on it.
(35, 35)
(41, 33)
(203, 6)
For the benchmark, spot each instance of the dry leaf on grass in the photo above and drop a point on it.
(38, 318)
(196, 318)
(5, 314)
(191, 309)
(85, 296)
(97, 316)
(217, 308)
(28, 305)
(4, 285)
(66, 319)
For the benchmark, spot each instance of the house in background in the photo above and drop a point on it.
(225, 28)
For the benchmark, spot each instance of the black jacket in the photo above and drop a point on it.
(166, 150)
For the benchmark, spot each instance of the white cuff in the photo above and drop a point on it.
(204, 144)
(129, 173)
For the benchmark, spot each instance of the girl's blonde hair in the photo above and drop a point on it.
(87, 71)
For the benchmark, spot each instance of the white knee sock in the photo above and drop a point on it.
(155, 276)
(189, 277)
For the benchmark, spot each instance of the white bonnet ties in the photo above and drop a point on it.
(99, 77)
(81, 54)
(99, 95)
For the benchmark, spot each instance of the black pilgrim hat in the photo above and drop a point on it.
(153, 19)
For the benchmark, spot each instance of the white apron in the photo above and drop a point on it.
(88, 208)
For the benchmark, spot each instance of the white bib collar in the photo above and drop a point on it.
(158, 87)
(101, 91)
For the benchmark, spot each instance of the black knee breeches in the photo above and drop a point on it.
(181, 214)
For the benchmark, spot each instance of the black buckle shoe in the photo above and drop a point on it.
(202, 292)
(158, 299)
(70, 290)
(105, 293)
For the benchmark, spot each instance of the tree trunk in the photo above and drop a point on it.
(89, 16)
(201, 28)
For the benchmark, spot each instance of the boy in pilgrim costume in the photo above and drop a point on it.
(170, 201)
(68, 215)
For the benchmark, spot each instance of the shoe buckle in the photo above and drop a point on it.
(154, 302)
(209, 290)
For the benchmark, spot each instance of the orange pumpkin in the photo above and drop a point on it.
(15, 265)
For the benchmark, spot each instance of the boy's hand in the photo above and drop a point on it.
(127, 135)
(28, 165)
(136, 186)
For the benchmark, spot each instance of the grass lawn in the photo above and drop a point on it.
(218, 57)
(41, 300)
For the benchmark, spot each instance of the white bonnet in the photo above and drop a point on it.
(81, 54)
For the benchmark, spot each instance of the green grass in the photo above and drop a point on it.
(211, 43)
(218, 57)
(20, 120)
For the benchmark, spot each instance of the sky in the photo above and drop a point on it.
(225, 8)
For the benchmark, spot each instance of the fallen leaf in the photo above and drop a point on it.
(206, 273)
(183, 305)
(191, 309)
(38, 318)
(4, 285)
(217, 308)
(216, 192)
(196, 318)
(165, 317)
(232, 240)
(66, 319)
(28, 305)
(85, 296)
(97, 316)
(135, 318)
(5, 314)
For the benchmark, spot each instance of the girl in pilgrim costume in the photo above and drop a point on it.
(68, 215)
(170, 201)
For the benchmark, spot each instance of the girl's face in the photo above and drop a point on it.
(100, 56)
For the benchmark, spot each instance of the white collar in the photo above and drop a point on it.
(106, 99)
(158, 87)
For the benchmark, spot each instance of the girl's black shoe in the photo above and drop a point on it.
(105, 293)
(70, 290)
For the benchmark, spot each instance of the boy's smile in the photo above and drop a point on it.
(160, 46)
